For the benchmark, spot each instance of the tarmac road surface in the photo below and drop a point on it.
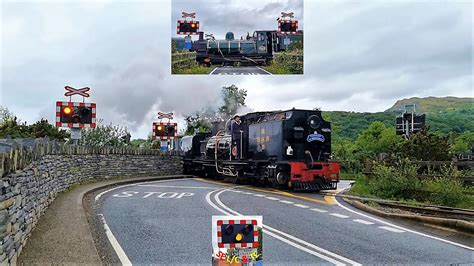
(169, 222)
(247, 70)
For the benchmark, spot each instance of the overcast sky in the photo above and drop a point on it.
(359, 56)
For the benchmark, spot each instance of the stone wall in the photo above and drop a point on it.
(32, 176)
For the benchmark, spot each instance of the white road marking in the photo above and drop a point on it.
(269, 73)
(176, 186)
(339, 215)
(400, 227)
(115, 244)
(391, 229)
(286, 201)
(272, 198)
(362, 221)
(301, 206)
(97, 197)
(318, 210)
(247, 193)
(259, 195)
(213, 71)
(317, 251)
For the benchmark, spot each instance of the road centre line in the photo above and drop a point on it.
(318, 210)
(287, 201)
(301, 206)
(339, 215)
(401, 227)
(362, 221)
(259, 195)
(272, 198)
(317, 251)
(391, 229)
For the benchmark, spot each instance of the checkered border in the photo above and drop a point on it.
(153, 137)
(288, 32)
(237, 245)
(60, 105)
(187, 33)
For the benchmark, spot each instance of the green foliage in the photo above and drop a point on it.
(11, 127)
(191, 70)
(426, 146)
(377, 138)
(290, 62)
(401, 182)
(233, 98)
(463, 143)
(105, 135)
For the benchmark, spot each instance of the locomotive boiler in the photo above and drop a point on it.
(289, 149)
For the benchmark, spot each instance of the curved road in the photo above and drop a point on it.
(169, 222)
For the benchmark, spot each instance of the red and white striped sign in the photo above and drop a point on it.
(73, 91)
(237, 245)
(288, 32)
(187, 33)
(155, 129)
(60, 105)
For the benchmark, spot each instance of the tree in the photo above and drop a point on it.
(201, 121)
(426, 146)
(463, 143)
(376, 139)
(43, 129)
(105, 135)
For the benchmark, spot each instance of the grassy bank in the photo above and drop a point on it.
(202, 70)
(287, 63)
(403, 184)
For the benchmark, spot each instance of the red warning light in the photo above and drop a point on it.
(67, 110)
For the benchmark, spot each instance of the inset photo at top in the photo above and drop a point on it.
(245, 37)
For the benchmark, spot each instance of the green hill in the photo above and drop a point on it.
(433, 104)
(443, 115)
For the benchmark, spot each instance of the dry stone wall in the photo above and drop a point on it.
(33, 172)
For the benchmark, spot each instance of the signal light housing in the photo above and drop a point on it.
(288, 27)
(237, 233)
(186, 27)
(165, 131)
(75, 115)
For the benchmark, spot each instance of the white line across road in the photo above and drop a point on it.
(318, 210)
(301, 206)
(286, 201)
(400, 227)
(282, 236)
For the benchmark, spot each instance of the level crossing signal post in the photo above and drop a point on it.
(165, 132)
(76, 115)
(409, 122)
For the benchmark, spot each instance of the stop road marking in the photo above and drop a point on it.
(161, 195)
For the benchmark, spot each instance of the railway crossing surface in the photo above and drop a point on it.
(247, 70)
(170, 222)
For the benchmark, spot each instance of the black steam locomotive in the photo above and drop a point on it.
(283, 148)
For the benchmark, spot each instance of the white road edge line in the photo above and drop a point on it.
(269, 73)
(115, 244)
(266, 229)
(400, 227)
(110, 236)
(214, 70)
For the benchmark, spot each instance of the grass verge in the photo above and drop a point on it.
(195, 70)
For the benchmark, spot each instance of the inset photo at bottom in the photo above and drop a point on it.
(237, 240)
